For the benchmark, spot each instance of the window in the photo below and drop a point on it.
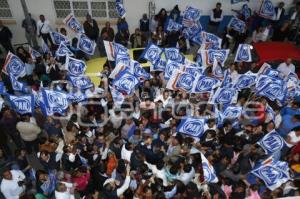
(97, 8)
(5, 10)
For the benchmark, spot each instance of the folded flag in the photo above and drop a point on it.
(17, 85)
(117, 96)
(125, 82)
(173, 54)
(13, 65)
(224, 96)
(193, 31)
(243, 53)
(73, 23)
(120, 8)
(172, 25)
(33, 53)
(152, 53)
(170, 67)
(273, 173)
(205, 84)
(53, 102)
(245, 80)
(139, 71)
(272, 143)
(86, 45)
(192, 127)
(208, 57)
(63, 51)
(208, 171)
(237, 1)
(75, 67)
(237, 24)
(160, 65)
(181, 81)
(22, 104)
(267, 10)
(81, 82)
(59, 38)
(190, 16)
(119, 49)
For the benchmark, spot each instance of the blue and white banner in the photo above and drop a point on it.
(205, 84)
(232, 112)
(191, 64)
(63, 51)
(227, 80)
(224, 96)
(181, 81)
(139, 71)
(237, 24)
(119, 49)
(195, 71)
(13, 65)
(59, 38)
(172, 25)
(267, 10)
(173, 54)
(191, 127)
(17, 85)
(271, 143)
(152, 53)
(217, 70)
(193, 31)
(243, 53)
(33, 53)
(270, 112)
(237, 1)
(125, 82)
(86, 45)
(171, 67)
(120, 8)
(190, 16)
(81, 82)
(208, 56)
(245, 80)
(54, 102)
(208, 171)
(117, 96)
(160, 65)
(210, 46)
(45, 48)
(123, 60)
(75, 67)
(77, 97)
(273, 173)
(2, 88)
(246, 12)
(73, 23)
(22, 104)
(209, 37)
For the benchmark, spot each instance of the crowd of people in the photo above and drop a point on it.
(100, 150)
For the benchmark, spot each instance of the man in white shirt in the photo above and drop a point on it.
(44, 29)
(293, 137)
(286, 68)
(12, 185)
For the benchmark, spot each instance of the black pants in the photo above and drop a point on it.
(32, 146)
(46, 38)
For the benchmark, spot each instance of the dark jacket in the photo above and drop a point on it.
(5, 35)
(92, 31)
(282, 13)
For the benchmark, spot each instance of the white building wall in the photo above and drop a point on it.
(134, 9)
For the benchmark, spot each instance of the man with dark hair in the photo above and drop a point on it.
(12, 185)
(91, 28)
(216, 17)
(44, 29)
(30, 30)
(5, 37)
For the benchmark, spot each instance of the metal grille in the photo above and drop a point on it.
(98, 9)
(62, 8)
(4, 9)
(80, 5)
(112, 12)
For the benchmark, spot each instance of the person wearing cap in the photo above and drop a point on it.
(111, 191)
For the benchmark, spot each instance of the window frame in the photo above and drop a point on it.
(8, 8)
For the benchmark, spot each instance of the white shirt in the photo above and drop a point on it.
(212, 18)
(187, 177)
(158, 173)
(67, 194)
(294, 138)
(45, 29)
(10, 188)
(285, 69)
(125, 154)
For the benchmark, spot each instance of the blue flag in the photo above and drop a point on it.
(160, 65)
(119, 49)
(22, 104)
(17, 85)
(232, 112)
(75, 67)
(181, 81)
(267, 10)
(86, 45)
(170, 67)
(191, 127)
(190, 16)
(59, 38)
(246, 12)
(273, 173)
(172, 25)
(77, 97)
(45, 48)
(271, 143)
(173, 54)
(81, 82)
(13, 65)
(224, 96)
(123, 60)
(33, 53)
(125, 82)
(117, 96)
(73, 23)
(152, 53)
(120, 8)
(243, 53)
(139, 71)
(245, 80)
(208, 57)
(195, 71)
(63, 51)
(193, 31)
(209, 37)
(205, 84)
(237, 1)
(237, 24)
(53, 102)
(208, 171)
